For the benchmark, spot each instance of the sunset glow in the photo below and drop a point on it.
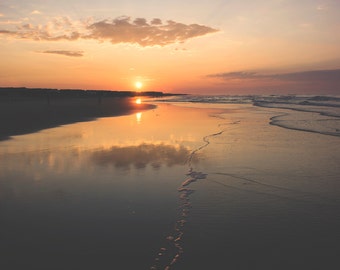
(205, 47)
(139, 85)
(138, 117)
(170, 134)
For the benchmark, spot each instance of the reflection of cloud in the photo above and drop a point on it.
(67, 53)
(313, 75)
(142, 155)
(119, 30)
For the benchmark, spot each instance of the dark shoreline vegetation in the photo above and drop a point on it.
(26, 110)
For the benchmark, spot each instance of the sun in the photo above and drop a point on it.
(138, 85)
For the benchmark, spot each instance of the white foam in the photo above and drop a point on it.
(327, 107)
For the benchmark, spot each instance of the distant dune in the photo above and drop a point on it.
(24, 110)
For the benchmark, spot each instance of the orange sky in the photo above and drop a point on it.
(210, 47)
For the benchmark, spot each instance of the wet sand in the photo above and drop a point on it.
(26, 115)
(211, 187)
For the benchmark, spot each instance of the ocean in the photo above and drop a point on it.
(198, 182)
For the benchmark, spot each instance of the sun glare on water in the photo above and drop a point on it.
(138, 101)
(139, 117)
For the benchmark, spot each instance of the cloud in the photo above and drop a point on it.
(6, 32)
(332, 75)
(35, 12)
(322, 7)
(313, 75)
(156, 21)
(10, 23)
(67, 53)
(234, 75)
(120, 30)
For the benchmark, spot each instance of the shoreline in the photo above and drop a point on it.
(26, 115)
(178, 181)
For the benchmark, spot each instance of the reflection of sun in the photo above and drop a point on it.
(138, 117)
(139, 85)
(138, 101)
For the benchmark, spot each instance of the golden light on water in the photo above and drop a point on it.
(138, 101)
(138, 117)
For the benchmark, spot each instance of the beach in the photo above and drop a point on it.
(173, 185)
(25, 111)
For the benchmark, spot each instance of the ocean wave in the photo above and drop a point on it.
(313, 113)
(307, 100)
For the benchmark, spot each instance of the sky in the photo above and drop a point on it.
(195, 47)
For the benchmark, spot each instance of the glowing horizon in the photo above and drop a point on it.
(210, 47)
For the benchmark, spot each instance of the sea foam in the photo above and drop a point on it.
(318, 114)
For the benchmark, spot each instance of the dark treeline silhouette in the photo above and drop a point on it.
(27, 110)
(67, 93)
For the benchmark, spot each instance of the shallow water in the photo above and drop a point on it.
(179, 187)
